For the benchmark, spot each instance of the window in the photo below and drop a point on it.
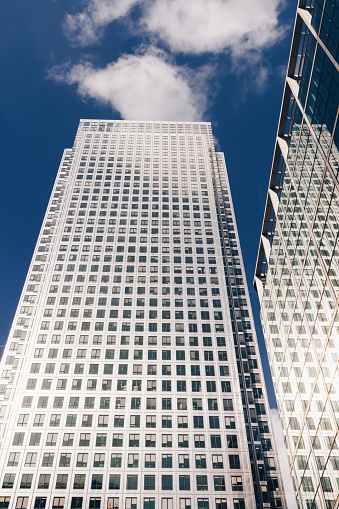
(230, 422)
(119, 421)
(117, 440)
(239, 503)
(40, 503)
(99, 460)
(166, 404)
(133, 460)
(200, 461)
(225, 385)
(236, 482)
(184, 482)
(167, 503)
(82, 460)
(31, 458)
(203, 503)
(131, 503)
(18, 439)
(114, 483)
(133, 440)
(35, 439)
(94, 502)
(217, 461)
(185, 503)
(103, 421)
(26, 481)
(61, 482)
(199, 441)
(232, 441)
(79, 484)
(101, 440)
(149, 503)
(44, 481)
(47, 460)
(326, 484)
(184, 461)
(21, 503)
(116, 460)
(120, 403)
(13, 459)
(211, 386)
(167, 482)
(221, 503)
(198, 421)
(8, 481)
(132, 482)
(234, 461)
(84, 439)
(113, 503)
(150, 421)
(215, 441)
(197, 403)
(182, 440)
(202, 483)
(96, 483)
(166, 461)
(150, 440)
(149, 460)
(149, 482)
(166, 421)
(182, 422)
(166, 440)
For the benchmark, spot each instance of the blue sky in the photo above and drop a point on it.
(222, 61)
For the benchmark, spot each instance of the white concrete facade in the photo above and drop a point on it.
(122, 383)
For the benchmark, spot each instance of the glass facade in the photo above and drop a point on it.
(131, 378)
(297, 274)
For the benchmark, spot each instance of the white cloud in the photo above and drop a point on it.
(198, 26)
(86, 27)
(283, 460)
(186, 26)
(145, 87)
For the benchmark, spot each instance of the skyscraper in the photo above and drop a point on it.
(131, 378)
(297, 274)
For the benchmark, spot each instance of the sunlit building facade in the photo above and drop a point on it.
(297, 273)
(131, 378)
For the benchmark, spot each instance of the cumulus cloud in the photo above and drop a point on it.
(189, 26)
(146, 86)
(198, 26)
(283, 460)
(86, 27)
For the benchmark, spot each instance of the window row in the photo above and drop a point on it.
(120, 403)
(130, 503)
(102, 440)
(151, 314)
(134, 460)
(164, 369)
(178, 327)
(99, 339)
(194, 355)
(97, 482)
(118, 421)
(135, 385)
(142, 249)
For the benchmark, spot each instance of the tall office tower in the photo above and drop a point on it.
(297, 274)
(131, 378)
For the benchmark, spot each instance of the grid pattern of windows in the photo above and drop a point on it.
(297, 275)
(128, 392)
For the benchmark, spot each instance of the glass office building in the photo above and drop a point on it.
(297, 273)
(131, 378)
